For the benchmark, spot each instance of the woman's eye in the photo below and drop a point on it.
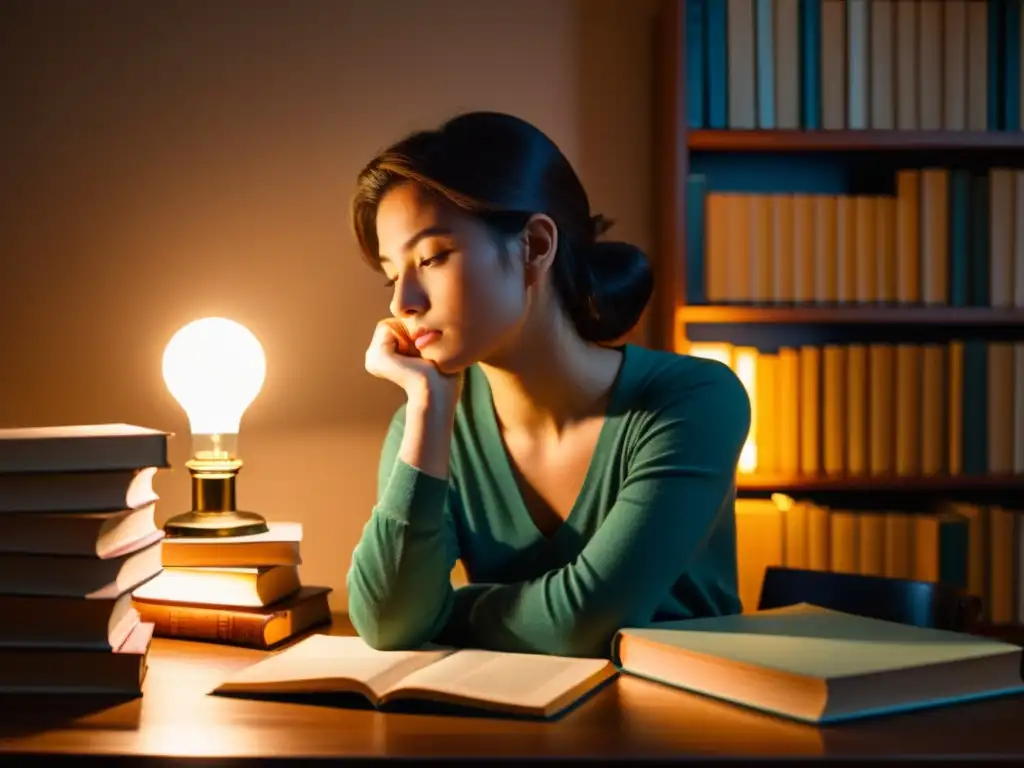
(391, 282)
(435, 260)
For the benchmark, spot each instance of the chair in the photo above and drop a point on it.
(919, 603)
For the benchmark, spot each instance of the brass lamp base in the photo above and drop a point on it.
(213, 512)
(229, 522)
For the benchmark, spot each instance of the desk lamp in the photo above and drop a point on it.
(214, 368)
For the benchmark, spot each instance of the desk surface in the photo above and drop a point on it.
(175, 718)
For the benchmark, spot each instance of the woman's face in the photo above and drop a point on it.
(452, 289)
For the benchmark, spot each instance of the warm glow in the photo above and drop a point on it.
(783, 502)
(214, 368)
(743, 362)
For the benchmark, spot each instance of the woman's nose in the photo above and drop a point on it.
(409, 298)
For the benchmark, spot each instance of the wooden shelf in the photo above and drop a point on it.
(937, 483)
(904, 493)
(831, 141)
(988, 317)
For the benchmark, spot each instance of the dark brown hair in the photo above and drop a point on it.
(503, 170)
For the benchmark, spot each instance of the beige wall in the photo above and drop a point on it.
(167, 160)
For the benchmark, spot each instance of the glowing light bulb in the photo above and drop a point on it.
(214, 368)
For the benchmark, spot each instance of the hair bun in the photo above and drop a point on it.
(619, 283)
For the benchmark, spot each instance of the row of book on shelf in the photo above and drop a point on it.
(853, 64)
(977, 548)
(949, 236)
(881, 409)
(87, 577)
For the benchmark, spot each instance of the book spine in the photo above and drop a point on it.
(696, 99)
(195, 623)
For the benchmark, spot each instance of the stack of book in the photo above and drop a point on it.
(77, 535)
(242, 590)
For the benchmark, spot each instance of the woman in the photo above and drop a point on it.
(585, 486)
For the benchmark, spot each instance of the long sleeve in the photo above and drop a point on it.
(680, 479)
(399, 580)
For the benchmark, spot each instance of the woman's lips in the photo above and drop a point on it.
(427, 338)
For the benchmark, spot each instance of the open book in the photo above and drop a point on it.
(818, 665)
(530, 685)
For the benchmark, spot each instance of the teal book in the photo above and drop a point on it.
(820, 666)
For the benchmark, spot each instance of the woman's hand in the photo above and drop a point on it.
(432, 396)
(393, 356)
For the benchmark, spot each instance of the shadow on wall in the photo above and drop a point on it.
(615, 90)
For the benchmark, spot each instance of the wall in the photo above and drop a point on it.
(165, 161)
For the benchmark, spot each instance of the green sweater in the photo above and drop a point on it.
(651, 537)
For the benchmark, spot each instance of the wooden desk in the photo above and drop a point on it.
(176, 719)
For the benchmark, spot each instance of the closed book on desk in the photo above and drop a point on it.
(529, 685)
(818, 665)
(82, 448)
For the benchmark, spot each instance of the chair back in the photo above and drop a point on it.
(919, 603)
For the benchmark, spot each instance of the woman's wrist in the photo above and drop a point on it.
(429, 421)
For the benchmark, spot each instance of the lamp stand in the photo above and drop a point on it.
(213, 512)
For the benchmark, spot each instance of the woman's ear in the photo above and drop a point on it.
(540, 241)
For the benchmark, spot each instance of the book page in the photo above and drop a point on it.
(325, 663)
(531, 682)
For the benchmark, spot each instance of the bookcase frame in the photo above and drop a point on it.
(673, 144)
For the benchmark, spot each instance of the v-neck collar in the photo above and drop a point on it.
(487, 420)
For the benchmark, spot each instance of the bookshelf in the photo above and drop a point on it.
(860, 138)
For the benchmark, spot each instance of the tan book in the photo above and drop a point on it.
(82, 448)
(866, 256)
(857, 399)
(898, 548)
(77, 491)
(906, 60)
(30, 669)
(881, 65)
(1000, 407)
(955, 407)
(882, 409)
(788, 420)
(259, 627)
(760, 537)
(908, 410)
(871, 543)
(280, 545)
(819, 665)
(805, 245)
(739, 276)
(933, 409)
(885, 252)
(929, 65)
(716, 221)
(935, 236)
(1001, 236)
(826, 256)
(833, 65)
(767, 414)
(761, 249)
(222, 586)
(795, 539)
(83, 577)
(908, 247)
(846, 249)
(783, 244)
(526, 684)
(819, 538)
(844, 547)
(977, 66)
(954, 65)
(810, 410)
(787, 64)
(1002, 526)
(834, 410)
